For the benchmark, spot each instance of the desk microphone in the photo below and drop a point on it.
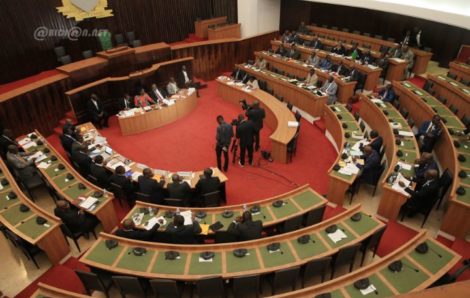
(412, 268)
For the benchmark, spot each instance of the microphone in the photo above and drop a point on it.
(412, 268)
(438, 254)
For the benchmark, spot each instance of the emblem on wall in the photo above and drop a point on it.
(84, 9)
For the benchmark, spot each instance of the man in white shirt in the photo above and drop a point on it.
(172, 87)
(312, 78)
(253, 83)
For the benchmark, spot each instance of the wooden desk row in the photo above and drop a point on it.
(142, 120)
(460, 69)
(154, 264)
(421, 107)
(69, 189)
(381, 116)
(91, 133)
(372, 72)
(422, 58)
(456, 93)
(225, 31)
(339, 122)
(47, 291)
(301, 69)
(277, 114)
(297, 202)
(201, 27)
(419, 271)
(47, 237)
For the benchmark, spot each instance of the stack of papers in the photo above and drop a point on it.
(337, 236)
(201, 260)
(405, 166)
(137, 218)
(188, 217)
(88, 203)
(349, 169)
(29, 145)
(368, 290)
(24, 141)
(153, 221)
(43, 165)
(135, 176)
(405, 133)
(38, 155)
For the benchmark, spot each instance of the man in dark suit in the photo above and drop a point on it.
(371, 168)
(293, 53)
(185, 80)
(256, 114)
(340, 69)
(424, 163)
(245, 136)
(316, 44)
(119, 178)
(81, 158)
(157, 94)
(375, 141)
(96, 111)
(151, 187)
(425, 197)
(428, 133)
(223, 139)
(7, 139)
(180, 233)
(207, 183)
(74, 219)
(355, 75)
(239, 75)
(179, 189)
(339, 49)
(67, 140)
(98, 171)
(387, 94)
(69, 126)
(245, 228)
(281, 51)
(367, 57)
(130, 232)
(125, 103)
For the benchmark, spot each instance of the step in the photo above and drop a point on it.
(320, 124)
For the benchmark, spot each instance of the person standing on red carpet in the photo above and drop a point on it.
(223, 139)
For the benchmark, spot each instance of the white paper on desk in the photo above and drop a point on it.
(406, 133)
(185, 174)
(90, 201)
(162, 173)
(376, 100)
(357, 136)
(38, 155)
(29, 145)
(372, 66)
(405, 165)
(137, 218)
(368, 290)
(1, 187)
(153, 221)
(188, 217)
(396, 125)
(337, 236)
(100, 140)
(230, 83)
(24, 141)
(292, 124)
(141, 166)
(201, 260)
(355, 153)
(168, 102)
(357, 146)
(136, 175)
(43, 165)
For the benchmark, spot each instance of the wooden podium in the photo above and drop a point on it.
(227, 31)
(202, 25)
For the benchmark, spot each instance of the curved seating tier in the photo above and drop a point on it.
(421, 107)
(47, 236)
(48, 291)
(385, 118)
(153, 264)
(68, 188)
(456, 94)
(297, 203)
(460, 69)
(418, 272)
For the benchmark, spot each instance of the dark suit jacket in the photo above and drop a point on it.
(256, 116)
(74, 221)
(239, 75)
(249, 230)
(208, 185)
(339, 51)
(153, 188)
(4, 143)
(122, 103)
(82, 160)
(142, 235)
(281, 51)
(180, 78)
(185, 234)
(371, 168)
(100, 173)
(67, 142)
(423, 198)
(389, 97)
(294, 55)
(377, 144)
(180, 191)
(155, 97)
(421, 170)
(92, 110)
(245, 132)
(124, 182)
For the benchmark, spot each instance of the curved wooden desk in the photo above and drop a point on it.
(421, 107)
(277, 114)
(460, 69)
(69, 190)
(224, 31)
(338, 183)
(142, 120)
(372, 72)
(429, 265)
(300, 69)
(298, 202)
(456, 93)
(378, 115)
(47, 291)
(201, 27)
(259, 261)
(47, 237)
(422, 58)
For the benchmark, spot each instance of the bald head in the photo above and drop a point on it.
(175, 178)
(368, 149)
(426, 157)
(148, 172)
(431, 174)
(62, 204)
(128, 224)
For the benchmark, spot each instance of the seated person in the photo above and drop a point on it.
(179, 189)
(157, 94)
(125, 103)
(293, 53)
(119, 178)
(81, 159)
(303, 29)
(6, 139)
(239, 75)
(150, 186)
(172, 87)
(253, 83)
(69, 125)
(375, 141)
(387, 94)
(180, 233)
(143, 100)
(18, 160)
(325, 63)
(207, 183)
(74, 219)
(422, 165)
(129, 231)
(67, 139)
(355, 75)
(245, 228)
(286, 37)
(355, 53)
(260, 63)
(370, 171)
(425, 197)
(312, 78)
(96, 111)
(313, 60)
(366, 58)
(282, 51)
(330, 87)
(185, 80)
(98, 171)
(407, 54)
(295, 38)
(316, 44)
(340, 69)
(428, 133)
(339, 49)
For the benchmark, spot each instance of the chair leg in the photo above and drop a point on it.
(351, 265)
(34, 261)
(76, 244)
(363, 256)
(94, 234)
(375, 189)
